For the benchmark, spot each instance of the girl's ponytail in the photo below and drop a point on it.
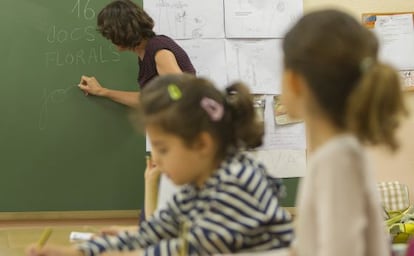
(376, 106)
(246, 129)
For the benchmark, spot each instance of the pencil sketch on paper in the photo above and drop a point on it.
(260, 19)
(208, 57)
(284, 163)
(186, 19)
(246, 63)
(256, 62)
(173, 18)
(54, 97)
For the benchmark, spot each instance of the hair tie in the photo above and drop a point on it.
(214, 109)
(174, 92)
(366, 64)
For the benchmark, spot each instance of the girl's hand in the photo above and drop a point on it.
(52, 250)
(115, 230)
(152, 172)
(89, 85)
(152, 177)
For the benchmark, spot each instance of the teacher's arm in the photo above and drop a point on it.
(91, 86)
(166, 63)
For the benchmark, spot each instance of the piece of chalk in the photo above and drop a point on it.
(80, 236)
(45, 236)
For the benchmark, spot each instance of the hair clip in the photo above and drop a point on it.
(174, 92)
(214, 109)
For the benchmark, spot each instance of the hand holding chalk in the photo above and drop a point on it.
(89, 85)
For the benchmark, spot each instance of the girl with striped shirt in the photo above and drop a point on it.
(227, 202)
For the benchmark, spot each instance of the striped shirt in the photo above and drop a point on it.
(237, 210)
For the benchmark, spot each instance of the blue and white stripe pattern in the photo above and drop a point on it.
(236, 211)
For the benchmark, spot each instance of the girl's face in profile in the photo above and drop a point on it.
(177, 160)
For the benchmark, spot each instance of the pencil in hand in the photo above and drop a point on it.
(44, 237)
(183, 235)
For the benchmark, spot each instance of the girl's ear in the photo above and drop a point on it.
(293, 91)
(204, 143)
(295, 82)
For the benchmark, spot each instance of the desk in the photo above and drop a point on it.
(280, 252)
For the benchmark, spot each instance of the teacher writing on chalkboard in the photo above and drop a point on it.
(130, 28)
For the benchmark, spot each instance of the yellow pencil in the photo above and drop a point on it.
(183, 235)
(44, 237)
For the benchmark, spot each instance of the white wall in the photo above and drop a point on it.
(401, 165)
(357, 7)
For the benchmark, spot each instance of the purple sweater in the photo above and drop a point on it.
(147, 66)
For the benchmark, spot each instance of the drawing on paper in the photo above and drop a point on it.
(255, 62)
(246, 70)
(208, 58)
(185, 19)
(284, 163)
(173, 18)
(262, 19)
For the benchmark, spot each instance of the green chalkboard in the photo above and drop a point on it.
(291, 192)
(61, 150)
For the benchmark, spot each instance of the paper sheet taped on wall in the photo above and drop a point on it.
(260, 18)
(283, 163)
(290, 136)
(255, 62)
(396, 37)
(209, 58)
(186, 19)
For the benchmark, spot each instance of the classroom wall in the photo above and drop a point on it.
(388, 167)
(399, 166)
(357, 7)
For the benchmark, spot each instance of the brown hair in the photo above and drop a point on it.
(337, 57)
(184, 117)
(125, 23)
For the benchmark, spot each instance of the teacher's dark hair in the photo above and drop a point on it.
(125, 23)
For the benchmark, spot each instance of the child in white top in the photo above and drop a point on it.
(227, 202)
(334, 81)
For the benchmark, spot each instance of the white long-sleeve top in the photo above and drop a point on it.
(339, 211)
(236, 210)
(166, 191)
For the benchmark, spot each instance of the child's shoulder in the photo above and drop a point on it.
(340, 145)
(242, 168)
(244, 174)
